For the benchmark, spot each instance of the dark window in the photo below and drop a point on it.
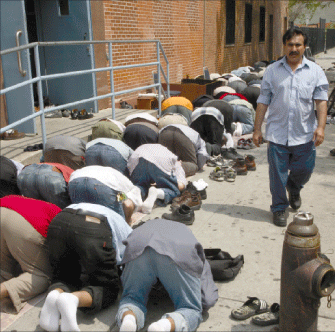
(63, 7)
(262, 24)
(248, 23)
(230, 22)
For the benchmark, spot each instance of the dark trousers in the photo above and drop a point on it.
(138, 134)
(210, 131)
(64, 157)
(179, 144)
(289, 167)
(80, 244)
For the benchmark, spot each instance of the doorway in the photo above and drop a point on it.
(57, 20)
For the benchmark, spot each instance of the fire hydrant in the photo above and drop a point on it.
(306, 276)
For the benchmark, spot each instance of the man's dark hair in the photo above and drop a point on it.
(292, 32)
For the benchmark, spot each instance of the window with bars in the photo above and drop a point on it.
(262, 24)
(230, 22)
(248, 23)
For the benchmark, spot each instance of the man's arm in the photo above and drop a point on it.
(319, 133)
(260, 113)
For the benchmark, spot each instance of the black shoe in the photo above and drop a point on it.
(182, 214)
(192, 188)
(294, 199)
(280, 218)
(231, 154)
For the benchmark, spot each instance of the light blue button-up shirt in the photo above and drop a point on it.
(120, 228)
(290, 98)
(118, 145)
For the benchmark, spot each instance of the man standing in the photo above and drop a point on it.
(289, 88)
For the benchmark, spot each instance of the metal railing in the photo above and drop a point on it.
(40, 78)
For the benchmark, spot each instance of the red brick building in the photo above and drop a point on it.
(219, 34)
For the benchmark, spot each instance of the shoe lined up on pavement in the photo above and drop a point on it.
(230, 153)
(191, 199)
(183, 214)
(245, 144)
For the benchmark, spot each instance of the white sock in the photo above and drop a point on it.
(128, 324)
(67, 304)
(148, 204)
(160, 193)
(238, 129)
(163, 325)
(230, 141)
(49, 318)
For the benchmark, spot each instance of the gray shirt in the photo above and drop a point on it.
(75, 145)
(175, 240)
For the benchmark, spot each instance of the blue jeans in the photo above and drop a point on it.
(299, 160)
(142, 273)
(39, 181)
(229, 98)
(243, 115)
(88, 190)
(146, 173)
(105, 155)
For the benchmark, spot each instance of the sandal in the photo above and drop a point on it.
(217, 174)
(230, 174)
(268, 318)
(83, 115)
(252, 307)
(74, 114)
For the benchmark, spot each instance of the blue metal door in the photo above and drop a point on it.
(67, 20)
(16, 66)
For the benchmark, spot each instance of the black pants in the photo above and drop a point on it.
(79, 244)
(8, 178)
(211, 131)
(138, 134)
(179, 144)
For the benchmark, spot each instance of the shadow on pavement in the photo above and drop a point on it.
(239, 211)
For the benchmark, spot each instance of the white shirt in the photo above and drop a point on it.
(111, 178)
(160, 156)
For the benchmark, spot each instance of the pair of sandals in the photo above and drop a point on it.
(80, 115)
(223, 173)
(264, 315)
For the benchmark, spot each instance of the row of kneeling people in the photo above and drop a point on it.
(84, 254)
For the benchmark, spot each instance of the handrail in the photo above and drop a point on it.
(40, 78)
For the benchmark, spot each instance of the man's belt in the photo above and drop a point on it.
(87, 213)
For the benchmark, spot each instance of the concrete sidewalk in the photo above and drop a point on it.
(236, 218)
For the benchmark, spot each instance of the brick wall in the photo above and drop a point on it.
(192, 33)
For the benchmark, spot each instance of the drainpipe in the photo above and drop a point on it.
(204, 35)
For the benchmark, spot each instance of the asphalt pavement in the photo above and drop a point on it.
(235, 217)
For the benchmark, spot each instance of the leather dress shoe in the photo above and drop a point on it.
(294, 200)
(250, 162)
(191, 188)
(191, 199)
(182, 214)
(240, 166)
(280, 218)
